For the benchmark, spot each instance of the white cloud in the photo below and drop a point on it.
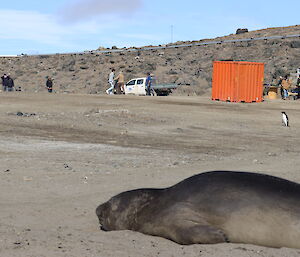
(87, 9)
(33, 31)
(39, 27)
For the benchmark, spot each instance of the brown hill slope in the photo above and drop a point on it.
(88, 72)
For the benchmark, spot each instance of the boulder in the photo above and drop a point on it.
(241, 31)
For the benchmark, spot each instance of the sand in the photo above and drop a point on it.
(68, 153)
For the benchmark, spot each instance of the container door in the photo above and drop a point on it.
(250, 82)
(224, 81)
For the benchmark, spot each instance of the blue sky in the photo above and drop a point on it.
(58, 26)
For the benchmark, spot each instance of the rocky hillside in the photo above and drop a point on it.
(189, 66)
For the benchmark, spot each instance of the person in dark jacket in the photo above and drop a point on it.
(10, 84)
(297, 89)
(4, 82)
(148, 84)
(49, 84)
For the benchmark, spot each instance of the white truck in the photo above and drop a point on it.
(137, 86)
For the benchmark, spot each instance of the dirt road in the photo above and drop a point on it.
(62, 155)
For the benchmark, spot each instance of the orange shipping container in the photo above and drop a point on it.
(238, 81)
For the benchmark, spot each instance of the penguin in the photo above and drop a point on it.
(285, 119)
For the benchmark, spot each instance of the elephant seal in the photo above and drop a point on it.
(212, 207)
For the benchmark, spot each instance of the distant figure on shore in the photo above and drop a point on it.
(286, 84)
(110, 90)
(10, 83)
(4, 79)
(49, 84)
(148, 84)
(279, 84)
(120, 84)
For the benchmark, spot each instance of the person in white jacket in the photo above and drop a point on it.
(109, 91)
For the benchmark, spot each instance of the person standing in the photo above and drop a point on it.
(286, 84)
(49, 84)
(148, 84)
(10, 84)
(111, 76)
(279, 84)
(120, 84)
(298, 87)
(4, 82)
(298, 82)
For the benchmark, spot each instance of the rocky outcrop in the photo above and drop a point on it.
(241, 31)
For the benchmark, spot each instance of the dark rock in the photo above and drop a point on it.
(93, 91)
(241, 31)
(279, 72)
(24, 114)
(172, 72)
(295, 44)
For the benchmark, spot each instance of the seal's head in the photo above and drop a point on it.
(104, 212)
(115, 214)
(121, 211)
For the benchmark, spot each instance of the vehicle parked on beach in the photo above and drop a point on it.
(137, 86)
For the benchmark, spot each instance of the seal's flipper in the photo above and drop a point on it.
(186, 232)
(198, 234)
(184, 225)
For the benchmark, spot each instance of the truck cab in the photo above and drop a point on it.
(136, 86)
